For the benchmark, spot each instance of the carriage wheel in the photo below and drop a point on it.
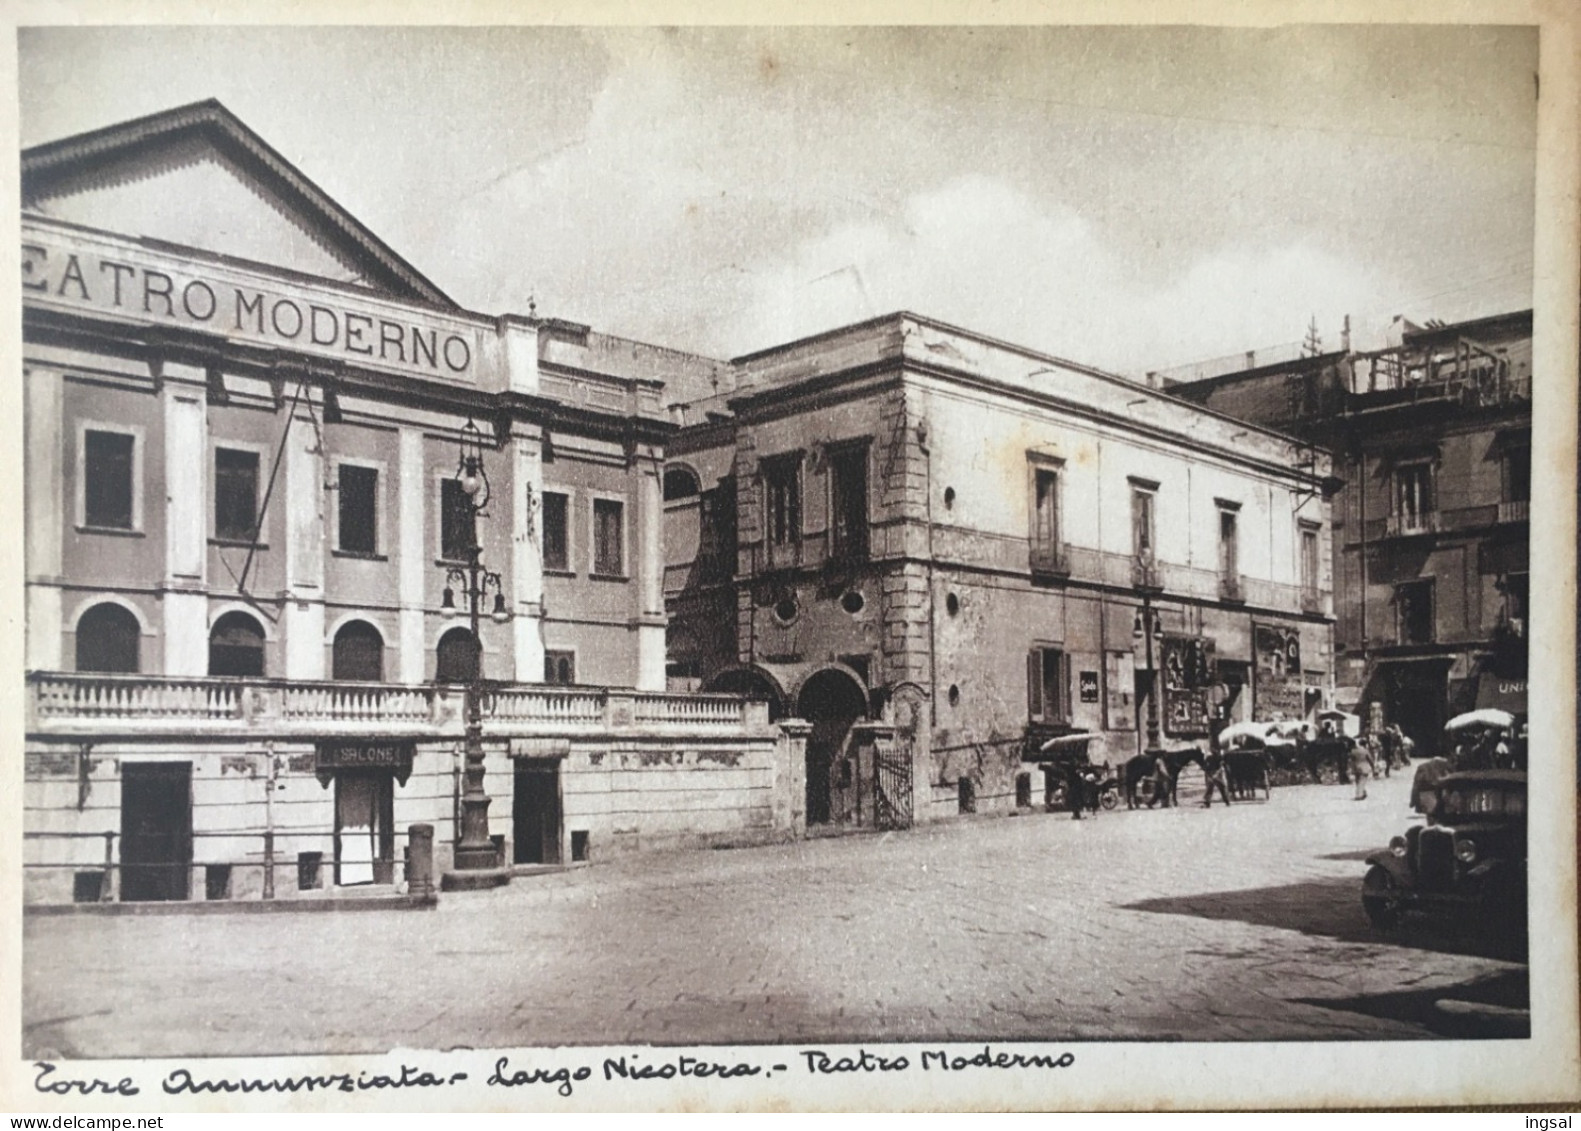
(1109, 798)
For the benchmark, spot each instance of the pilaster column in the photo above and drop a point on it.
(304, 543)
(650, 576)
(410, 559)
(525, 581)
(47, 509)
(188, 468)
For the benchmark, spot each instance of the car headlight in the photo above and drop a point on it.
(1397, 845)
(1466, 851)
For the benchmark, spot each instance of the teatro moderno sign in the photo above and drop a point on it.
(73, 271)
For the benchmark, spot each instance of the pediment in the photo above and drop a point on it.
(197, 177)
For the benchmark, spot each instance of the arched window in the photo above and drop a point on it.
(359, 652)
(457, 657)
(679, 483)
(236, 646)
(108, 639)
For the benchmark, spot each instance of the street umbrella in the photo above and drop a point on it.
(1066, 741)
(1486, 717)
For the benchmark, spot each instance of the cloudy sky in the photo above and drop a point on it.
(1131, 198)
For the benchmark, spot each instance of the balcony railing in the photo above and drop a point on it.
(1051, 560)
(90, 703)
(1515, 511)
(1405, 525)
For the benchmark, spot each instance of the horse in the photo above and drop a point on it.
(1141, 767)
(1247, 771)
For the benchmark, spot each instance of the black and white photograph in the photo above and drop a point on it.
(832, 566)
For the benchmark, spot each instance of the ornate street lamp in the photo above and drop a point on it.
(1146, 627)
(475, 851)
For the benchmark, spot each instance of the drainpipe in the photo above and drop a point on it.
(1366, 637)
(927, 483)
(268, 838)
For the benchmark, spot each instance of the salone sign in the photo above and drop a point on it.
(64, 271)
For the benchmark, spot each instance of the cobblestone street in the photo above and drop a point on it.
(1182, 924)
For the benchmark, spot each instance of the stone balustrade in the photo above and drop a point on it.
(92, 704)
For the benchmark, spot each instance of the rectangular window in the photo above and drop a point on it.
(782, 490)
(457, 529)
(1047, 542)
(608, 532)
(1414, 608)
(107, 479)
(359, 509)
(1517, 593)
(718, 548)
(1518, 474)
(556, 548)
(1309, 561)
(1229, 545)
(1142, 545)
(235, 494)
(848, 499)
(559, 667)
(1048, 697)
(1413, 497)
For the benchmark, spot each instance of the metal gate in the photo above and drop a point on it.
(892, 790)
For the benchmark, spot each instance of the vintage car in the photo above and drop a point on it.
(1467, 862)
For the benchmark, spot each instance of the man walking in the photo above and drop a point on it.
(1163, 782)
(1213, 770)
(1075, 789)
(1359, 769)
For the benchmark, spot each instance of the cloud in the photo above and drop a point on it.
(985, 255)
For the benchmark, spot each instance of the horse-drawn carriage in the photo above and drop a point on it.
(1065, 758)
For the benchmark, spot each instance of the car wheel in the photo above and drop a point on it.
(1380, 898)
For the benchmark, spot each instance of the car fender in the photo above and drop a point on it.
(1394, 865)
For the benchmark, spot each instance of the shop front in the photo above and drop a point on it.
(364, 775)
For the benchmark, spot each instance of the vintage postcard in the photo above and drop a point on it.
(644, 560)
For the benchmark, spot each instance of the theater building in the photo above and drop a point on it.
(244, 414)
(1432, 437)
(941, 550)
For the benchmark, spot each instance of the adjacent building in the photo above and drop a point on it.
(1431, 437)
(942, 550)
(244, 514)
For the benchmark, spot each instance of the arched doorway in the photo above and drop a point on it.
(358, 652)
(236, 646)
(751, 683)
(457, 657)
(108, 640)
(832, 700)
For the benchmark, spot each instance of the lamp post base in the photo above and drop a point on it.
(474, 879)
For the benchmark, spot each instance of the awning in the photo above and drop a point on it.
(1501, 692)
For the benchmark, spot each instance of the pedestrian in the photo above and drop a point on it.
(1163, 782)
(1386, 742)
(1090, 779)
(1075, 787)
(1381, 755)
(1359, 770)
(1213, 771)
